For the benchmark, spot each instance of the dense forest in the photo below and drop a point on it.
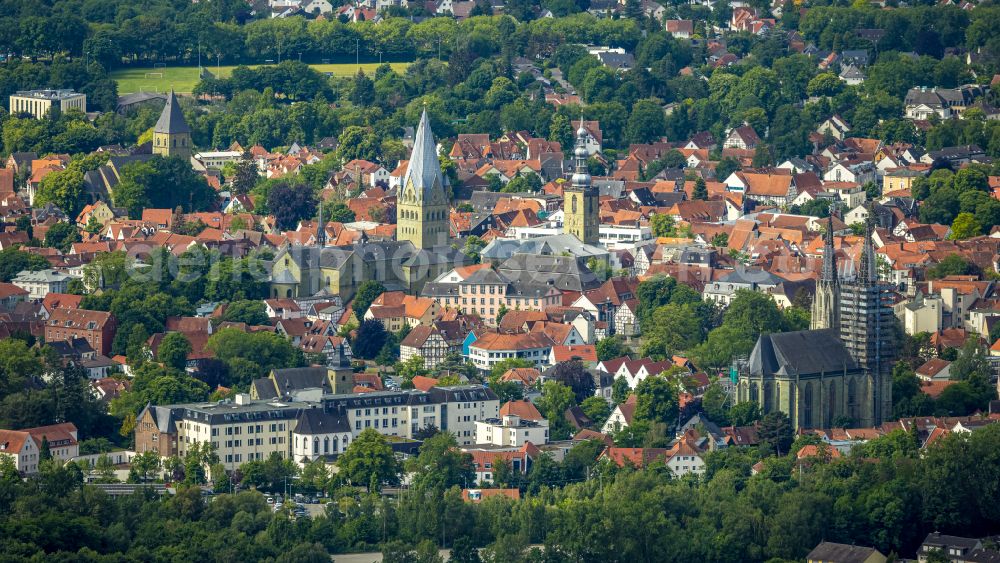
(887, 494)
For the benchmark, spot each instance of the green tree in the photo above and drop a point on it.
(245, 175)
(363, 90)
(555, 399)
(656, 400)
(369, 461)
(144, 466)
(775, 431)
(700, 190)
(662, 225)
(441, 464)
(610, 348)
(251, 312)
(367, 292)
(61, 236)
(716, 403)
(64, 188)
(965, 226)
(174, 350)
(371, 339)
(647, 122)
(597, 409)
(13, 260)
(744, 414)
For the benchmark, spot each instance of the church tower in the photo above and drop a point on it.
(171, 134)
(826, 303)
(422, 213)
(867, 331)
(580, 199)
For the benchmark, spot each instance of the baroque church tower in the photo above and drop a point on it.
(171, 134)
(826, 303)
(580, 199)
(422, 215)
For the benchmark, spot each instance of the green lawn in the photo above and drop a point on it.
(184, 78)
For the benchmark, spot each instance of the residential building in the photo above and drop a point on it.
(724, 291)
(433, 342)
(96, 327)
(899, 179)
(492, 348)
(395, 309)
(923, 313)
(39, 102)
(62, 440)
(954, 548)
(11, 295)
(829, 552)
(743, 137)
(512, 430)
(40, 283)
(621, 416)
(21, 447)
(283, 383)
(485, 291)
(684, 458)
(217, 160)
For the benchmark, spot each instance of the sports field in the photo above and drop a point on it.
(183, 78)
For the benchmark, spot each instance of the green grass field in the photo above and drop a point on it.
(183, 78)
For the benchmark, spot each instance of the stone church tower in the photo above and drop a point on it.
(171, 134)
(581, 199)
(422, 214)
(867, 330)
(826, 303)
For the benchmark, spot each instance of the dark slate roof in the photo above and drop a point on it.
(840, 553)
(318, 421)
(565, 272)
(294, 379)
(172, 118)
(804, 352)
(75, 347)
(752, 277)
(264, 388)
(484, 276)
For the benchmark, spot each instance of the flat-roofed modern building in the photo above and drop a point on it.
(39, 102)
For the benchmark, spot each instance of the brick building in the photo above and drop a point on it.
(96, 327)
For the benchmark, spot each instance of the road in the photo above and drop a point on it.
(375, 557)
(558, 77)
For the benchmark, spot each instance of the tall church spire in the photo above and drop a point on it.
(580, 217)
(826, 302)
(868, 268)
(171, 134)
(829, 253)
(321, 231)
(422, 215)
(424, 169)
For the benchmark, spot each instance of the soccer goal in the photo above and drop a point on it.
(154, 75)
(159, 65)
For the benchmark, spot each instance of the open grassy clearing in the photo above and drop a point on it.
(183, 78)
